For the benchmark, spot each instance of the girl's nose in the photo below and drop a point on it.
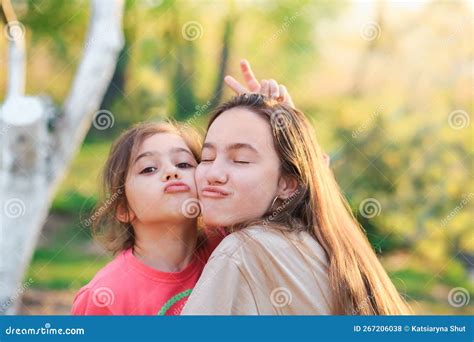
(170, 174)
(216, 175)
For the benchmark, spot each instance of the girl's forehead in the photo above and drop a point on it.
(240, 126)
(159, 144)
(162, 142)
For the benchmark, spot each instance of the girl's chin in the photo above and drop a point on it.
(217, 221)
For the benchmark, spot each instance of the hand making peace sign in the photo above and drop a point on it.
(268, 88)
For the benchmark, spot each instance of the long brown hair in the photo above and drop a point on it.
(360, 284)
(112, 233)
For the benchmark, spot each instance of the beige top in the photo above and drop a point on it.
(263, 271)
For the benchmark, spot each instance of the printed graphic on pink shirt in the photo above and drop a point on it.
(175, 304)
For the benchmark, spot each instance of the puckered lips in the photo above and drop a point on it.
(174, 187)
(214, 192)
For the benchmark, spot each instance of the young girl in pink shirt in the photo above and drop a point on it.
(149, 221)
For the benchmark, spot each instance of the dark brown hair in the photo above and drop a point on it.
(113, 234)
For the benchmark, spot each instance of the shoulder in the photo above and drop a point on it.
(93, 301)
(250, 236)
(107, 275)
(247, 239)
(260, 241)
(99, 294)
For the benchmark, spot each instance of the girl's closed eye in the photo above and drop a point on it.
(241, 158)
(206, 158)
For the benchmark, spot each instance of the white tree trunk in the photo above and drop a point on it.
(16, 58)
(32, 161)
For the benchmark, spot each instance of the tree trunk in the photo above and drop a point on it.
(224, 58)
(33, 161)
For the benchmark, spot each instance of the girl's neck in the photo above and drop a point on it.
(166, 247)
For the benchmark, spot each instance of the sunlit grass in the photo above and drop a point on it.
(56, 269)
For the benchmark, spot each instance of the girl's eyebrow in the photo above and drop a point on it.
(208, 145)
(238, 146)
(174, 150)
(235, 146)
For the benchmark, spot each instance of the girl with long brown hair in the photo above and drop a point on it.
(294, 246)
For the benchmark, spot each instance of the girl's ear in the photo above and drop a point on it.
(124, 214)
(287, 186)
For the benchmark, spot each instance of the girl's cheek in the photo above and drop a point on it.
(192, 179)
(199, 174)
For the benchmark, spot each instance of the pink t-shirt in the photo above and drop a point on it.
(126, 286)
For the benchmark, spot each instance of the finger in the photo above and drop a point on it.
(283, 93)
(274, 90)
(285, 96)
(233, 84)
(265, 88)
(249, 76)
